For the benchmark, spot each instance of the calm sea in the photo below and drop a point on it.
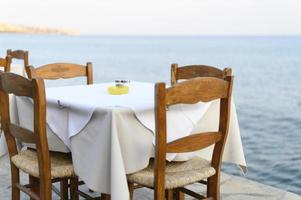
(267, 84)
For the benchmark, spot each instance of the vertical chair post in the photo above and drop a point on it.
(131, 189)
(160, 149)
(89, 73)
(169, 194)
(64, 189)
(174, 71)
(34, 181)
(15, 178)
(73, 188)
(179, 195)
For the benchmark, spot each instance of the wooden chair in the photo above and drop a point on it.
(65, 70)
(164, 176)
(19, 54)
(193, 71)
(43, 167)
(5, 63)
(61, 70)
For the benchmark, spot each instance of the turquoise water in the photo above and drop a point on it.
(267, 84)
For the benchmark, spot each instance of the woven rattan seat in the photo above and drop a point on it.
(177, 174)
(61, 163)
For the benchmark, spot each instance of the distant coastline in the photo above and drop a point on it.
(10, 28)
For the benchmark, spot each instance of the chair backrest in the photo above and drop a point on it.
(19, 54)
(5, 63)
(193, 71)
(14, 84)
(189, 92)
(61, 71)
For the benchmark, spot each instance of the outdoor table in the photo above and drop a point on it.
(110, 136)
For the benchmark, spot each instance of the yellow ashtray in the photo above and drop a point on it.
(118, 90)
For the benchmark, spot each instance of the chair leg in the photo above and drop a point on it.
(105, 196)
(74, 188)
(64, 189)
(213, 187)
(36, 181)
(45, 187)
(159, 192)
(131, 189)
(179, 195)
(169, 194)
(15, 178)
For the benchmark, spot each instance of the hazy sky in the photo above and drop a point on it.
(206, 17)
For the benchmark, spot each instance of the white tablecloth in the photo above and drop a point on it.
(114, 143)
(81, 101)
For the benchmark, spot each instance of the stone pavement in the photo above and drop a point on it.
(232, 188)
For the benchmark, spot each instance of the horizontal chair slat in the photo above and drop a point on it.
(193, 142)
(192, 71)
(22, 134)
(194, 194)
(62, 70)
(17, 85)
(200, 89)
(19, 54)
(28, 191)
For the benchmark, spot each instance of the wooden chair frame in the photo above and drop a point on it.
(189, 92)
(19, 54)
(6, 63)
(193, 71)
(61, 70)
(38, 188)
(56, 71)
